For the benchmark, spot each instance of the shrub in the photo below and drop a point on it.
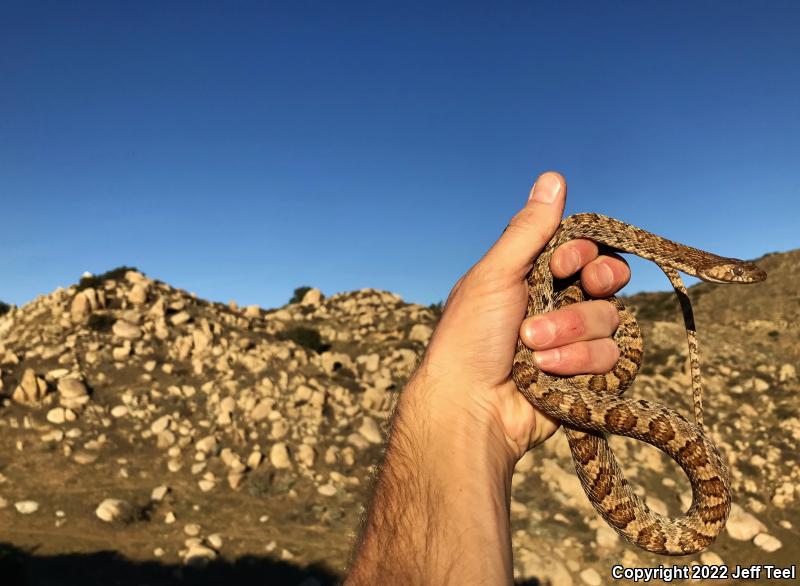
(97, 280)
(299, 293)
(306, 337)
(437, 308)
(4, 308)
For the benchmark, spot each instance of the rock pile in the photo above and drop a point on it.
(207, 430)
(206, 398)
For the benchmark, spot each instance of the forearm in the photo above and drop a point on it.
(440, 509)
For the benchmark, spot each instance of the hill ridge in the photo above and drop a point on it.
(191, 430)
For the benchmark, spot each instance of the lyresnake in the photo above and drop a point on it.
(590, 406)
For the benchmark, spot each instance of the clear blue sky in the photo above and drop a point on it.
(241, 149)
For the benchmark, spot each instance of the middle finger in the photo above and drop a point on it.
(588, 320)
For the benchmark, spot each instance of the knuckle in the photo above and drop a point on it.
(596, 357)
(522, 220)
(571, 324)
(578, 356)
(534, 224)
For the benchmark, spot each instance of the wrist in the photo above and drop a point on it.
(444, 489)
(457, 431)
(450, 475)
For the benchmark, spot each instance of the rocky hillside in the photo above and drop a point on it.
(773, 306)
(204, 442)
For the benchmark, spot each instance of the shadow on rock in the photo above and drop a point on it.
(19, 567)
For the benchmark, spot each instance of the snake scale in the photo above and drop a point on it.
(591, 406)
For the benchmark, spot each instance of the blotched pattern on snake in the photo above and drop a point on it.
(591, 406)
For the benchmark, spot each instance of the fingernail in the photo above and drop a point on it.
(546, 189)
(541, 331)
(547, 358)
(604, 276)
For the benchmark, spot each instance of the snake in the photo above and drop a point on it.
(590, 407)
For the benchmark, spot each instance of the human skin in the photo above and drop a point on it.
(440, 508)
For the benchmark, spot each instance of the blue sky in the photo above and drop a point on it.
(242, 149)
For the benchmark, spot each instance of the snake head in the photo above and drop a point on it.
(732, 270)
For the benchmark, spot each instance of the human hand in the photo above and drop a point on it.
(440, 512)
(468, 362)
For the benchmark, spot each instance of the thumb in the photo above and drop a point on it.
(530, 229)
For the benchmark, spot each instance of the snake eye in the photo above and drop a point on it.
(738, 271)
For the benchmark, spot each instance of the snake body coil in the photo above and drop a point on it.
(591, 406)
